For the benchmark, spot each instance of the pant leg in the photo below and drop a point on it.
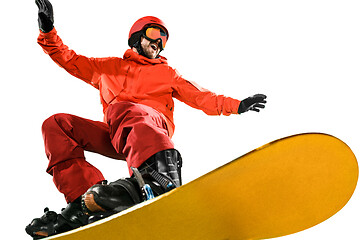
(66, 137)
(137, 131)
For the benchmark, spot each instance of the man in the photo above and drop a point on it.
(137, 96)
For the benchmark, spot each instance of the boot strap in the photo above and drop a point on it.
(165, 168)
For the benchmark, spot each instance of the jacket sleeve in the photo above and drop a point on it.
(87, 69)
(200, 98)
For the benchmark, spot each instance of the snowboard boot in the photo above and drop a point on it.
(52, 223)
(102, 200)
(165, 168)
(161, 172)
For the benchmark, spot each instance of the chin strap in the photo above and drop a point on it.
(139, 49)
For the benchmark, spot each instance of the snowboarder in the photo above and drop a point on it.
(136, 93)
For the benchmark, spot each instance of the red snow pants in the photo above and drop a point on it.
(133, 132)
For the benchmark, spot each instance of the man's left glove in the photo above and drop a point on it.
(45, 15)
(253, 103)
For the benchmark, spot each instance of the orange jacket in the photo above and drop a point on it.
(137, 79)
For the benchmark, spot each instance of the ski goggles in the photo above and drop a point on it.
(156, 33)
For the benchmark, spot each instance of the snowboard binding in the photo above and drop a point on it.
(43, 226)
(52, 223)
(114, 197)
(159, 174)
(165, 168)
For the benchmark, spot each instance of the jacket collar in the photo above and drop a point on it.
(133, 56)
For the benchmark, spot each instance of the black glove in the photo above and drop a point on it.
(253, 103)
(45, 15)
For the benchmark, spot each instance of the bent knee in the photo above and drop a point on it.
(59, 119)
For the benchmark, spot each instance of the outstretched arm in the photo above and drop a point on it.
(79, 66)
(213, 104)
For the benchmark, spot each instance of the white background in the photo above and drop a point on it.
(304, 55)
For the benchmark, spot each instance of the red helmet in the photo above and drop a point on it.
(142, 23)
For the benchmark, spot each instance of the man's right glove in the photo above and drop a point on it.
(253, 103)
(45, 15)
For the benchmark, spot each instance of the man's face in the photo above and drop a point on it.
(151, 48)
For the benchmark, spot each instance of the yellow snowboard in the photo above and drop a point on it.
(281, 188)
